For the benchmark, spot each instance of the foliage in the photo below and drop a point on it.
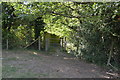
(89, 28)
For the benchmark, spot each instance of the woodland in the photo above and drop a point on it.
(91, 29)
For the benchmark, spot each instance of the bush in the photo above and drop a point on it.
(13, 40)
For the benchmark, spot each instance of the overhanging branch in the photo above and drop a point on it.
(69, 16)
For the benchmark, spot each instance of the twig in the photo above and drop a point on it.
(112, 66)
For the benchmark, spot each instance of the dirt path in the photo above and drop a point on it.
(31, 64)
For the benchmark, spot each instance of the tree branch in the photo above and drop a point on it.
(69, 16)
(83, 2)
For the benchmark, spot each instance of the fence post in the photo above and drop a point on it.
(46, 44)
(65, 43)
(61, 42)
(39, 44)
(7, 44)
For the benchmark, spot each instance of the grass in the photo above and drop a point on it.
(11, 72)
(15, 49)
(8, 59)
(29, 75)
(8, 70)
(25, 75)
(43, 74)
(33, 50)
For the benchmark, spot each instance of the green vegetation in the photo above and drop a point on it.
(14, 58)
(7, 70)
(91, 29)
(29, 75)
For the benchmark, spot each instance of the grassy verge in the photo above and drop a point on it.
(8, 70)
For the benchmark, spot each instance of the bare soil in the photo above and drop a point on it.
(34, 64)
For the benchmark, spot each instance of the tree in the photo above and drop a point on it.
(89, 26)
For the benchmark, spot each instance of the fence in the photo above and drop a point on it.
(48, 43)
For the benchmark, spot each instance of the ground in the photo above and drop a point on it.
(37, 64)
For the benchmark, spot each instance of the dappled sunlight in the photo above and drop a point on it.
(112, 74)
(63, 65)
(106, 76)
(71, 35)
(35, 53)
(66, 58)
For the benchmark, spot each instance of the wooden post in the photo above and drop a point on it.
(46, 44)
(39, 44)
(7, 41)
(7, 44)
(65, 43)
(61, 43)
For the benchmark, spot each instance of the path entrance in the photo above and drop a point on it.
(36, 64)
